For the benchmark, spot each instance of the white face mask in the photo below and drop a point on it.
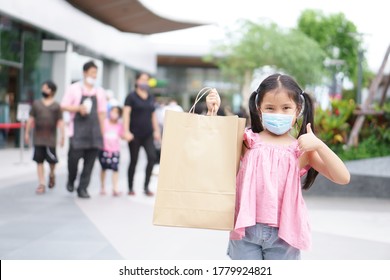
(277, 123)
(91, 81)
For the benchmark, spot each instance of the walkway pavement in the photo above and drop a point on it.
(58, 225)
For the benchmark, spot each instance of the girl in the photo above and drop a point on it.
(271, 221)
(109, 156)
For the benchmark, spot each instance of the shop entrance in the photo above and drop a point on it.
(9, 88)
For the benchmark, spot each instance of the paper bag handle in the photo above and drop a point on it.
(202, 93)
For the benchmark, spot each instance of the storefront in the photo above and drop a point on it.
(23, 68)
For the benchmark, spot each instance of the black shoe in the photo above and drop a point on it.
(148, 193)
(69, 187)
(83, 194)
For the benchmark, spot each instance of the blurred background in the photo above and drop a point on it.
(336, 50)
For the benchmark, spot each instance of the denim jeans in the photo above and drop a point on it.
(261, 242)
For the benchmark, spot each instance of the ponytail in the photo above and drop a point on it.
(256, 125)
(308, 117)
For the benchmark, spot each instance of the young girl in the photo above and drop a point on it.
(109, 156)
(271, 220)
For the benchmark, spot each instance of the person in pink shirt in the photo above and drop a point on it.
(271, 220)
(109, 156)
(87, 106)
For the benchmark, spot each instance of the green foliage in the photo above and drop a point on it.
(254, 45)
(10, 45)
(334, 126)
(334, 32)
(368, 148)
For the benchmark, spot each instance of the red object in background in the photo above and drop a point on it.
(10, 125)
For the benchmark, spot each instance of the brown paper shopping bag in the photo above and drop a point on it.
(197, 177)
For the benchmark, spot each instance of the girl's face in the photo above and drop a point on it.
(279, 102)
(114, 114)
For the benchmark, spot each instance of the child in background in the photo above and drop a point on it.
(271, 220)
(110, 155)
(46, 115)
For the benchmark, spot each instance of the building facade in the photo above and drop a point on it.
(50, 39)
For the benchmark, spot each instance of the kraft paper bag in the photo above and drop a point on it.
(197, 178)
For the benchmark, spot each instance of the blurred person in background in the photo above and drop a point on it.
(141, 129)
(46, 116)
(87, 105)
(109, 156)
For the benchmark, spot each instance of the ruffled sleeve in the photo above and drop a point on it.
(304, 170)
(249, 138)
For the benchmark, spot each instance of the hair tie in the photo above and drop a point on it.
(303, 103)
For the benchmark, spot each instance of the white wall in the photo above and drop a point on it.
(61, 73)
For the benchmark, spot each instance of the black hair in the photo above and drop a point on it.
(51, 85)
(117, 107)
(301, 98)
(138, 75)
(88, 65)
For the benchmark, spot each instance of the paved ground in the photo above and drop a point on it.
(58, 225)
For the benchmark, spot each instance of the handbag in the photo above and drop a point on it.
(197, 177)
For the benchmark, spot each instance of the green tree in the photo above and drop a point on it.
(336, 35)
(257, 44)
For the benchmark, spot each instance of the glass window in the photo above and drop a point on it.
(10, 40)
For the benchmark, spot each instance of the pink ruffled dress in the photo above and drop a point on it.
(269, 191)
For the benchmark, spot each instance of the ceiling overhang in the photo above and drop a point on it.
(129, 16)
(184, 61)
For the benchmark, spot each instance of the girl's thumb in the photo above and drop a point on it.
(308, 128)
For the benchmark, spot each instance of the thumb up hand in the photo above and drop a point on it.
(309, 142)
(308, 128)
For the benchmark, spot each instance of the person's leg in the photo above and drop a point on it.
(74, 155)
(41, 178)
(151, 155)
(41, 173)
(51, 158)
(248, 248)
(89, 161)
(52, 180)
(115, 158)
(115, 189)
(39, 156)
(103, 182)
(277, 249)
(134, 147)
(103, 164)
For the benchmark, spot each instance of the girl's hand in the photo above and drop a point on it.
(157, 136)
(213, 102)
(128, 136)
(309, 142)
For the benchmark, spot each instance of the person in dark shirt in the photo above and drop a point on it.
(46, 115)
(141, 129)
